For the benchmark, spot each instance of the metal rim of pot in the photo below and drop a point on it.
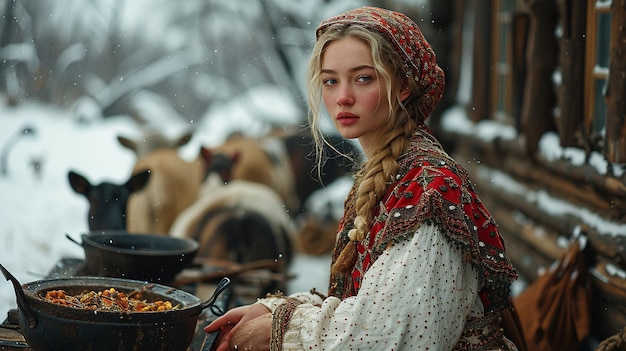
(108, 241)
(149, 257)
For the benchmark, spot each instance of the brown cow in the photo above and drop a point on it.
(173, 186)
(262, 161)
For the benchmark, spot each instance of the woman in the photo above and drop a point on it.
(418, 263)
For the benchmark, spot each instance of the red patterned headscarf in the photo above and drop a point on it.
(407, 38)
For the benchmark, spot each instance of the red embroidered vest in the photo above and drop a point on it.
(431, 188)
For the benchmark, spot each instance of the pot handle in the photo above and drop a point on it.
(216, 310)
(21, 298)
(73, 240)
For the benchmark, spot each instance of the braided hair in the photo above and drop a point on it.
(375, 174)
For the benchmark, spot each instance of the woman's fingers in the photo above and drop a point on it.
(229, 324)
(218, 324)
(237, 315)
(232, 317)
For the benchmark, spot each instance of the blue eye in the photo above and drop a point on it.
(329, 81)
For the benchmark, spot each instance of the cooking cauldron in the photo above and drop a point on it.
(51, 327)
(149, 257)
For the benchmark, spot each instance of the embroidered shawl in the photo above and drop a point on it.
(431, 188)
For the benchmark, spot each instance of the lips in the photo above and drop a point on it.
(346, 118)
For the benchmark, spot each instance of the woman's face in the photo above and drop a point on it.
(354, 94)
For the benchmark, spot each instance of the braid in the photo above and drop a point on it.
(378, 172)
(371, 185)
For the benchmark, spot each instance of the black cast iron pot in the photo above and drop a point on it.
(52, 327)
(149, 257)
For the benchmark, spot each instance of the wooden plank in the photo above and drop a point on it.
(568, 188)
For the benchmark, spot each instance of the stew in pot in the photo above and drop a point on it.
(108, 300)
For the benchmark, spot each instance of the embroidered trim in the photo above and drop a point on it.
(484, 334)
(280, 322)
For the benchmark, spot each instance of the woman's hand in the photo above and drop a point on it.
(253, 335)
(235, 319)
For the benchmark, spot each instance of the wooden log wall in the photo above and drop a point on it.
(535, 237)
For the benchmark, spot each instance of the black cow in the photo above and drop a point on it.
(107, 201)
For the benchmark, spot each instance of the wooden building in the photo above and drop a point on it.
(541, 87)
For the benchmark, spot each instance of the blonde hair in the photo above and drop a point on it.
(375, 174)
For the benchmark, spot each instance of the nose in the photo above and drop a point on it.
(345, 95)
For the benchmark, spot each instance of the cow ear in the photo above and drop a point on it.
(234, 157)
(184, 139)
(138, 180)
(126, 142)
(206, 154)
(79, 183)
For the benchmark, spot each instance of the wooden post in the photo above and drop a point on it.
(444, 19)
(539, 96)
(481, 65)
(521, 24)
(571, 101)
(615, 143)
